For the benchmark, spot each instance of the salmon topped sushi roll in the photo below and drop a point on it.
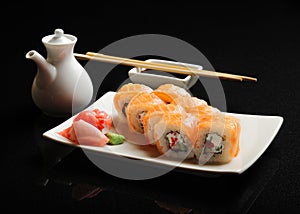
(170, 92)
(217, 139)
(154, 115)
(195, 106)
(124, 95)
(191, 104)
(138, 107)
(174, 135)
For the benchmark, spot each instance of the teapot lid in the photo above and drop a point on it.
(59, 38)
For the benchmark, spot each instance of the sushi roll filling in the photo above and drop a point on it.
(124, 109)
(213, 143)
(176, 141)
(140, 118)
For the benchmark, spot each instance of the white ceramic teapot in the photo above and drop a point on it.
(61, 86)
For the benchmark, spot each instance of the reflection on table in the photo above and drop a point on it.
(174, 192)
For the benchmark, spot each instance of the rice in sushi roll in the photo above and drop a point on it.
(217, 139)
(153, 116)
(125, 94)
(170, 92)
(137, 108)
(174, 135)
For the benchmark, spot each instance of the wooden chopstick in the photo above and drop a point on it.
(160, 66)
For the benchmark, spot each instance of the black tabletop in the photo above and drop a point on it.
(259, 40)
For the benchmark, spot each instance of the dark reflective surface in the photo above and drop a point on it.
(60, 174)
(174, 192)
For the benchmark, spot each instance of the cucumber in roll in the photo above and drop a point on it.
(217, 139)
(174, 135)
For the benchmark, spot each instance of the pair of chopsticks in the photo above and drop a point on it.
(160, 66)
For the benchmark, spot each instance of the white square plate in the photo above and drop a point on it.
(257, 133)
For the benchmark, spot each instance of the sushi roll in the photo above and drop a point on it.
(125, 94)
(194, 105)
(191, 104)
(138, 107)
(174, 136)
(218, 138)
(153, 116)
(170, 92)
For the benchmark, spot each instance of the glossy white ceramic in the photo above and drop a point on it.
(143, 76)
(61, 85)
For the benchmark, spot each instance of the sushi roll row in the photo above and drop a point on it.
(178, 124)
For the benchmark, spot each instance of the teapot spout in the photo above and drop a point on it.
(46, 72)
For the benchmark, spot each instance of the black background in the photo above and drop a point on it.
(254, 39)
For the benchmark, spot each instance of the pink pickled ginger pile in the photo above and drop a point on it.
(87, 127)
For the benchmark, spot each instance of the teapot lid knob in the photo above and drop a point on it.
(58, 33)
(59, 38)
